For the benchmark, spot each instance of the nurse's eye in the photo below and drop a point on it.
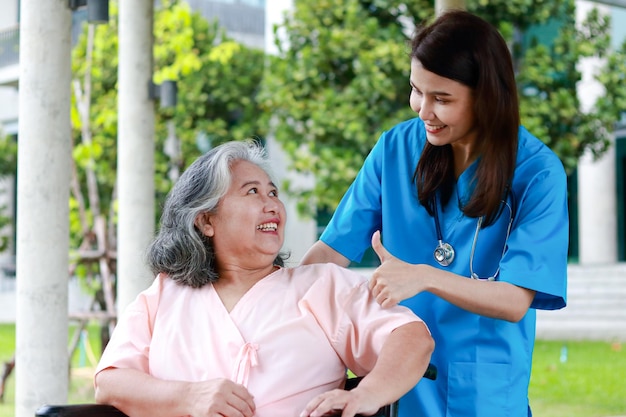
(440, 100)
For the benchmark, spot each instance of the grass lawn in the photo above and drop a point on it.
(589, 382)
(81, 385)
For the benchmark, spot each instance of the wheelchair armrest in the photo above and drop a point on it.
(102, 410)
(79, 410)
(431, 373)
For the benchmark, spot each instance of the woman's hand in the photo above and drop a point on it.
(220, 397)
(349, 403)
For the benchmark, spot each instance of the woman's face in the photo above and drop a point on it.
(446, 107)
(248, 228)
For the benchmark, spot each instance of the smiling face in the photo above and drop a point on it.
(248, 229)
(446, 107)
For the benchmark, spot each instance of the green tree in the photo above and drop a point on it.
(341, 77)
(8, 167)
(217, 82)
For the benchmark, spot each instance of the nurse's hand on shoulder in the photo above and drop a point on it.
(394, 280)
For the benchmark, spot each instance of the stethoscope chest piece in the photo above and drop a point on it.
(444, 254)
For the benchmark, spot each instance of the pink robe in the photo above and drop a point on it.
(288, 339)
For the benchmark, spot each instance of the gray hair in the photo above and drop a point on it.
(180, 249)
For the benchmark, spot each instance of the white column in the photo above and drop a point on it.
(597, 204)
(300, 233)
(43, 185)
(597, 209)
(135, 163)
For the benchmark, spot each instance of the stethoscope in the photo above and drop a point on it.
(444, 252)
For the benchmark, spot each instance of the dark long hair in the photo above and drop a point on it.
(463, 47)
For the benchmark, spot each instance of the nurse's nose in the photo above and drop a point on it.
(425, 109)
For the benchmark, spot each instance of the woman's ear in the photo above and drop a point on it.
(203, 223)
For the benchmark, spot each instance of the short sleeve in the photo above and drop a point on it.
(356, 325)
(129, 345)
(537, 248)
(358, 215)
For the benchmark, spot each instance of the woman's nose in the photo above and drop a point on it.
(272, 205)
(425, 110)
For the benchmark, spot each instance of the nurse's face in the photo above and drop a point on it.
(446, 107)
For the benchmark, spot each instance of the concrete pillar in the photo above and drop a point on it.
(43, 190)
(597, 209)
(300, 233)
(135, 163)
(442, 5)
(597, 200)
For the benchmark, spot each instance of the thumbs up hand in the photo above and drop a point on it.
(394, 280)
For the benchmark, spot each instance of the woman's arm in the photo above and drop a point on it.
(139, 394)
(320, 253)
(402, 362)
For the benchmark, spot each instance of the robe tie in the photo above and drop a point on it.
(246, 359)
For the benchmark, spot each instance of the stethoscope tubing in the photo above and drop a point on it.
(444, 253)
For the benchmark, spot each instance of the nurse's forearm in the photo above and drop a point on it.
(495, 299)
(401, 363)
(320, 252)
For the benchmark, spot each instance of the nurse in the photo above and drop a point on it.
(472, 212)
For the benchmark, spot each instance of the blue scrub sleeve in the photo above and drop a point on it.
(537, 248)
(358, 215)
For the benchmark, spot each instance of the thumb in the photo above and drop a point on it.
(378, 247)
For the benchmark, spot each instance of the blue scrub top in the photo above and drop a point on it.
(483, 364)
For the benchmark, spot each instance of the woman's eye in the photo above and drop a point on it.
(253, 191)
(274, 193)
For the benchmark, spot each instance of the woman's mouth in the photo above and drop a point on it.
(434, 128)
(268, 227)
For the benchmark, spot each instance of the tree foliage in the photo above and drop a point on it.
(341, 74)
(217, 80)
(8, 167)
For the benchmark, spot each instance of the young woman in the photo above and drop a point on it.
(472, 210)
(225, 330)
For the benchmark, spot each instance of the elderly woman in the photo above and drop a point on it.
(226, 330)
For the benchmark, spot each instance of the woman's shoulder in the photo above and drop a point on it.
(539, 173)
(321, 273)
(531, 146)
(535, 157)
(408, 130)
(405, 138)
